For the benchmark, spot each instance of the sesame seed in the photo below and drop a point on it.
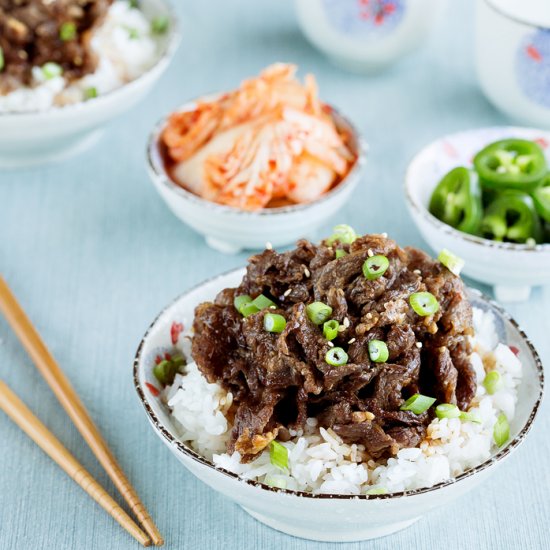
(370, 253)
(346, 322)
(341, 328)
(418, 345)
(287, 292)
(268, 246)
(330, 344)
(417, 271)
(351, 341)
(307, 272)
(385, 235)
(369, 315)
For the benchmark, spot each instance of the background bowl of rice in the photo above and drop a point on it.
(30, 136)
(326, 516)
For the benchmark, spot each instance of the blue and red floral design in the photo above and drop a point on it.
(533, 67)
(368, 18)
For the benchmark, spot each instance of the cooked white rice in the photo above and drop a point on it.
(125, 48)
(320, 462)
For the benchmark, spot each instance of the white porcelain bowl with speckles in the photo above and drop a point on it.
(512, 269)
(340, 518)
(230, 230)
(53, 135)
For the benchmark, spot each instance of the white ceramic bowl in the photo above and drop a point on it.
(37, 137)
(325, 517)
(366, 36)
(512, 269)
(230, 230)
(513, 57)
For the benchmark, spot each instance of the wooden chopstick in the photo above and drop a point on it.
(31, 425)
(67, 396)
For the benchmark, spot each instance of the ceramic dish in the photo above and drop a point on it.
(29, 138)
(366, 36)
(325, 517)
(230, 230)
(512, 269)
(513, 57)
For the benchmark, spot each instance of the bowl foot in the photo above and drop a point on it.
(358, 67)
(54, 151)
(223, 246)
(505, 293)
(318, 534)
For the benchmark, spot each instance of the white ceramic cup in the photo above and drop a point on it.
(31, 138)
(366, 35)
(513, 57)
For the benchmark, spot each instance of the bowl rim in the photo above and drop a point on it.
(517, 19)
(159, 173)
(184, 449)
(172, 43)
(437, 224)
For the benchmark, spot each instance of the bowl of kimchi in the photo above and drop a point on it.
(268, 162)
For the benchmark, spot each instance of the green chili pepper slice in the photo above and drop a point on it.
(541, 198)
(456, 200)
(512, 217)
(511, 164)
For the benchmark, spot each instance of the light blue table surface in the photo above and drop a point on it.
(93, 254)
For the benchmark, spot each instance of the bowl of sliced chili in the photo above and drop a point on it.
(484, 194)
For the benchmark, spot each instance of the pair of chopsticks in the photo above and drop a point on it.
(31, 425)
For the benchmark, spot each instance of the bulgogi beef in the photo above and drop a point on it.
(34, 32)
(278, 380)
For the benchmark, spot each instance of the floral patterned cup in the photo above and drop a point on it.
(365, 35)
(513, 57)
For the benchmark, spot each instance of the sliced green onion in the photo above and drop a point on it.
(277, 482)
(160, 24)
(375, 267)
(278, 455)
(501, 430)
(133, 34)
(2, 61)
(165, 372)
(470, 417)
(318, 312)
(263, 302)
(336, 357)
(273, 322)
(378, 351)
(67, 31)
(377, 491)
(134, 4)
(240, 301)
(340, 253)
(417, 403)
(452, 262)
(51, 70)
(178, 360)
(342, 233)
(330, 329)
(447, 410)
(90, 93)
(493, 382)
(249, 309)
(424, 303)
